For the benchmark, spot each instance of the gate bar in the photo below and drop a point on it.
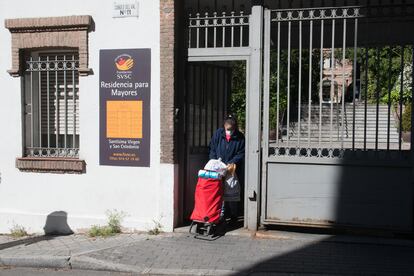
(197, 30)
(241, 21)
(378, 88)
(206, 23)
(205, 102)
(40, 103)
(277, 81)
(74, 103)
(193, 98)
(223, 23)
(57, 104)
(332, 79)
(212, 101)
(354, 81)
(412, 104)
(218, 119)
(288, 85)
(66, 102)
(48, 102)
(366, 97)
(215, 29)
(320, 85)
(389, 97)
(401, 94)
(310, 80)
(199, 107)
(300, 79)
(31, 104)
(232, 21)
(266, 88)
(343, 84)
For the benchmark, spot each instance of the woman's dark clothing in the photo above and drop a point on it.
(231, 152)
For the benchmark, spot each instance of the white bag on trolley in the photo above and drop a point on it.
(216, 165)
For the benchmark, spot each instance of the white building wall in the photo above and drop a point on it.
(144, 194)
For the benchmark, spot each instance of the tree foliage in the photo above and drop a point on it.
(383, 69)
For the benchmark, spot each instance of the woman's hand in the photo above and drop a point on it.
(231, 168)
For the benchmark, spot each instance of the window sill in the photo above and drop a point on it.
(51, 165)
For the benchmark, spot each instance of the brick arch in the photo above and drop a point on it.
(47, 32)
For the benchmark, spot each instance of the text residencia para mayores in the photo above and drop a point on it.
(131, 89)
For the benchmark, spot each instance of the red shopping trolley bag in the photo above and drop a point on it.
(208, 200)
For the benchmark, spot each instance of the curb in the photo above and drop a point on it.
(88, 263)
(36, 261)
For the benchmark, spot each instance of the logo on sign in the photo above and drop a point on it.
(124, 62)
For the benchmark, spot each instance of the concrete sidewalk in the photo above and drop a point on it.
(238, 253)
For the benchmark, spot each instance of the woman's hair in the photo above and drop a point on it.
(231, 120)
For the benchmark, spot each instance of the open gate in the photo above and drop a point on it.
(334, 153)
(327, 138)
(215, 42)
(208, 90)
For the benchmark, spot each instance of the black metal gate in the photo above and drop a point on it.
(207, 101)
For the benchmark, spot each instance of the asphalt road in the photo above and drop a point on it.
(12, 271)
(18, 271)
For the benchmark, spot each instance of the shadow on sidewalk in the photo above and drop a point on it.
(333, 256)
(25, 241)
(56, 225)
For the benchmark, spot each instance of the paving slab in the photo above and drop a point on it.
(238, 253)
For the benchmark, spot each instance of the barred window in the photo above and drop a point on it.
(51, 104)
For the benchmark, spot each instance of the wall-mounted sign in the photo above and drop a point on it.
(125, 93)
(125, 8)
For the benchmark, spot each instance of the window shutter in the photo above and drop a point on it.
(53, 83)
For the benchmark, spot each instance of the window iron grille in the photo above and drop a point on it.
(51, 105)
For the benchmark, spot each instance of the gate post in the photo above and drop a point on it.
(253, 119)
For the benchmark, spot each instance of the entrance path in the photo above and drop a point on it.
(280, 253)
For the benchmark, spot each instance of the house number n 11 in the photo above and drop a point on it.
(125, 9)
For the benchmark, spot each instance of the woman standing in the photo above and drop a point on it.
(228, 144)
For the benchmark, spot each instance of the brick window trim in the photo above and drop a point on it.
(50, 32)
(69, 32)
(51, 165)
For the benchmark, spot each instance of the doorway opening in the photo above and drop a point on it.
(214, 89)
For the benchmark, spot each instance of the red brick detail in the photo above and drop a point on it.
(43, 32)
(45, 23)
(167, 41)
(51, 165)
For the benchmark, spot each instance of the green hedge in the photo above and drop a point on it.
(406, 118)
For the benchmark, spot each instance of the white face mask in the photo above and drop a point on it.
(229, 132)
